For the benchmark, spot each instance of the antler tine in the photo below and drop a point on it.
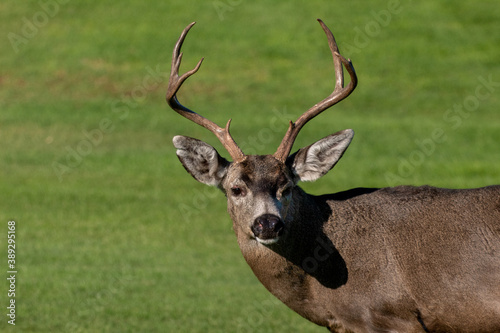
(338, 94)
(176, 81)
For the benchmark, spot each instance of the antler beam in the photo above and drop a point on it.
(338, 94)
(174, 84)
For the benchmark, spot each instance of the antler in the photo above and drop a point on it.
(338, 94)
(175, 82)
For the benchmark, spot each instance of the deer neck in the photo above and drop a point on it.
(299, 259)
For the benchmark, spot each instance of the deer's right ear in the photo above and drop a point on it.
(201, 160)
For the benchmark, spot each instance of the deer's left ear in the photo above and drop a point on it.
(312, 162)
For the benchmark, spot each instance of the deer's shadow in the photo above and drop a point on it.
(312, 250)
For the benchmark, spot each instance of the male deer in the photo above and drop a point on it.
(402, 259)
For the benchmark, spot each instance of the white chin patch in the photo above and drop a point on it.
(267, 241)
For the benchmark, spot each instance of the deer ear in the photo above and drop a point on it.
(312, 162)
(201, 160)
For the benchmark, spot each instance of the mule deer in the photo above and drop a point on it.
(402, 259)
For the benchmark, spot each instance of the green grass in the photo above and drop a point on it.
(119, 238)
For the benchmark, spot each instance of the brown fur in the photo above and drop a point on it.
(402, 259)
(392, 271)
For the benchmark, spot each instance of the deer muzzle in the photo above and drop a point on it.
(267, 228)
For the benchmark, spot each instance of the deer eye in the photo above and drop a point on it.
(237, 191)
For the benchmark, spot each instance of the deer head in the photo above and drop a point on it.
(260, 189)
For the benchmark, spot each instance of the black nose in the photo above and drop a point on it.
(267, 226)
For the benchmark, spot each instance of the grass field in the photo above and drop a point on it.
(112, 235)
